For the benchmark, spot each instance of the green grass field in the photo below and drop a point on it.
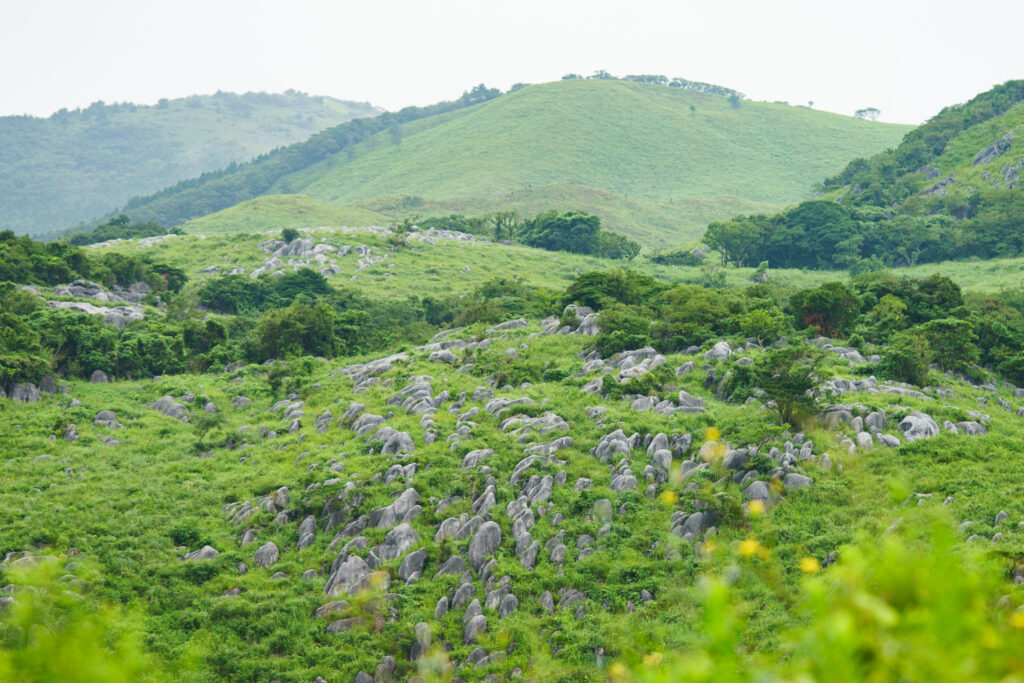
(442, 267)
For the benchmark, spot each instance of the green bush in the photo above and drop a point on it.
(907, 359)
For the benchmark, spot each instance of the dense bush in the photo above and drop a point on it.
(120, 227)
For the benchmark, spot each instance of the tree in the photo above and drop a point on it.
(907, 359)
(618, 247)
(831, 308)
(869, 113)
(573, 231)
(763, 325)
(738, 241)
(734, 101)
(507, 224)
(953, 343)
(289, 235)
(789, 376)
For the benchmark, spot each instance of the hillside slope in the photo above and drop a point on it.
(74, 166)
(280, 212)
(950, 190)
(327, 557)
(654, 162)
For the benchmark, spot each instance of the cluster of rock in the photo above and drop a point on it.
(432, 235)
(118, 316)
(454, 550)
(71, 585)
(303, 252)
(168, 406)
(85, 289)
(587, 324)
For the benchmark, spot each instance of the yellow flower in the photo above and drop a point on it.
(617, 669)
(653, 659)
(713, 434)
(709, 546)
(749, 547)
(1017, 620)
(756, 507)
(809, 565)
(669, 497)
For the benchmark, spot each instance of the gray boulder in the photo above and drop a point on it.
(474, 628)
(918, 426)
(205, 553)
(719, 351)
(266, 555)
(350, 576)
(509, 604)
(484, 544)
(25, 392)
(602, 511)
(397, 541)
(412, 565)
(795, 481)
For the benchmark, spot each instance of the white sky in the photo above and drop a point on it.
(908, 58)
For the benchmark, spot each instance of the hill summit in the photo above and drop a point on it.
(655, 162)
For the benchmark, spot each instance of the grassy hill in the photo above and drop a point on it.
(77, 165)
(280, 212)
(951, 190)
(849, 516)
(115, 518)
(656, 163)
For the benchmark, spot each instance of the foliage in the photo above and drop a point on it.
(831, 308)
(952, 343)
(907, 358)
(120, 227)
(788, 376)
(572, 231)
(51, 633)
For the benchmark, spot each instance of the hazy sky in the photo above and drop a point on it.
(908, 58)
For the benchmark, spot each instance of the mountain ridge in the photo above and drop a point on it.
(75, 165)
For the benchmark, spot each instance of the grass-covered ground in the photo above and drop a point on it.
(132, 510)
(281, 211)
(442, 267)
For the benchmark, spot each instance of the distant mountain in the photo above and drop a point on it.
(950, 190)
(655, 162)
(77, 165)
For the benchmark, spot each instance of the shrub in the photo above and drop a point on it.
(907, 359)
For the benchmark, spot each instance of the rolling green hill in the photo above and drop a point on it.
(656, 163)
(950, 190)
(279, 212)
(74, 166)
